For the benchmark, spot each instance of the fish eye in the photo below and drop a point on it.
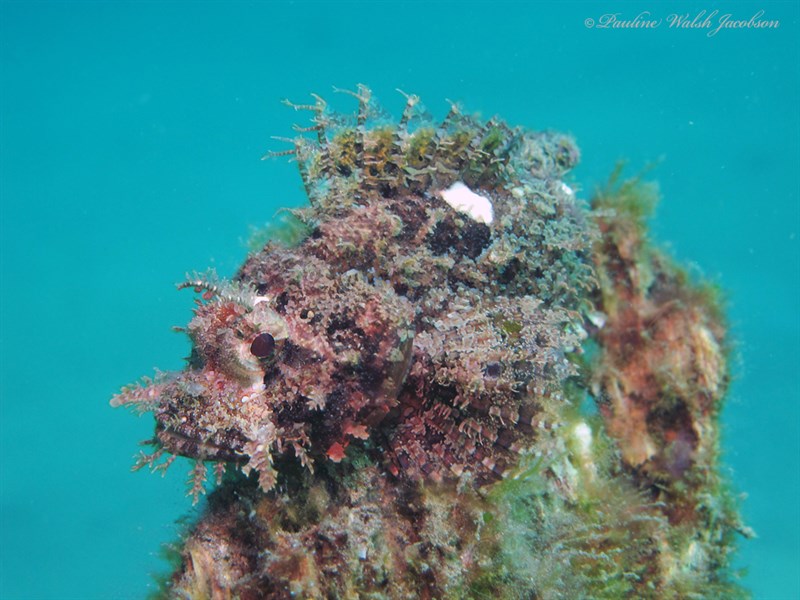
(263, 345)
(493, 369)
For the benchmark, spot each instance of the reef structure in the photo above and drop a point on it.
(457, 381)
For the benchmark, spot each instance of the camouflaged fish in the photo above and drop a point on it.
(427, 315)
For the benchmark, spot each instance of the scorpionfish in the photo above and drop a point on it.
(427, 315)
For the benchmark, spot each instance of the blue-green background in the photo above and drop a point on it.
(129, 148)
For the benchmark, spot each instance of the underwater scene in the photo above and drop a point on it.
(399, 300)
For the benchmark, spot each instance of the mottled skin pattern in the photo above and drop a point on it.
(398, 319)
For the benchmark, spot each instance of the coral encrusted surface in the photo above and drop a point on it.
(457, 381)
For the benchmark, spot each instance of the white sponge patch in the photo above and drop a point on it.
(464, 200)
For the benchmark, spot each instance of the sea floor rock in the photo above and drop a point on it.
(457, 381)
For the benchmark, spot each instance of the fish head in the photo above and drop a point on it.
(260, 382)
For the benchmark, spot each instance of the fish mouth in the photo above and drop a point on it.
(191, 442)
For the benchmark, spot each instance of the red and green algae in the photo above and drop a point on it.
(399, 394)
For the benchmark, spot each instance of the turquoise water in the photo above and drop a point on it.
(129, 148)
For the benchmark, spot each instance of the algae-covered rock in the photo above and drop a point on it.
(458, 381)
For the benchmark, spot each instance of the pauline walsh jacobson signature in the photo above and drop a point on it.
(712, 22)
